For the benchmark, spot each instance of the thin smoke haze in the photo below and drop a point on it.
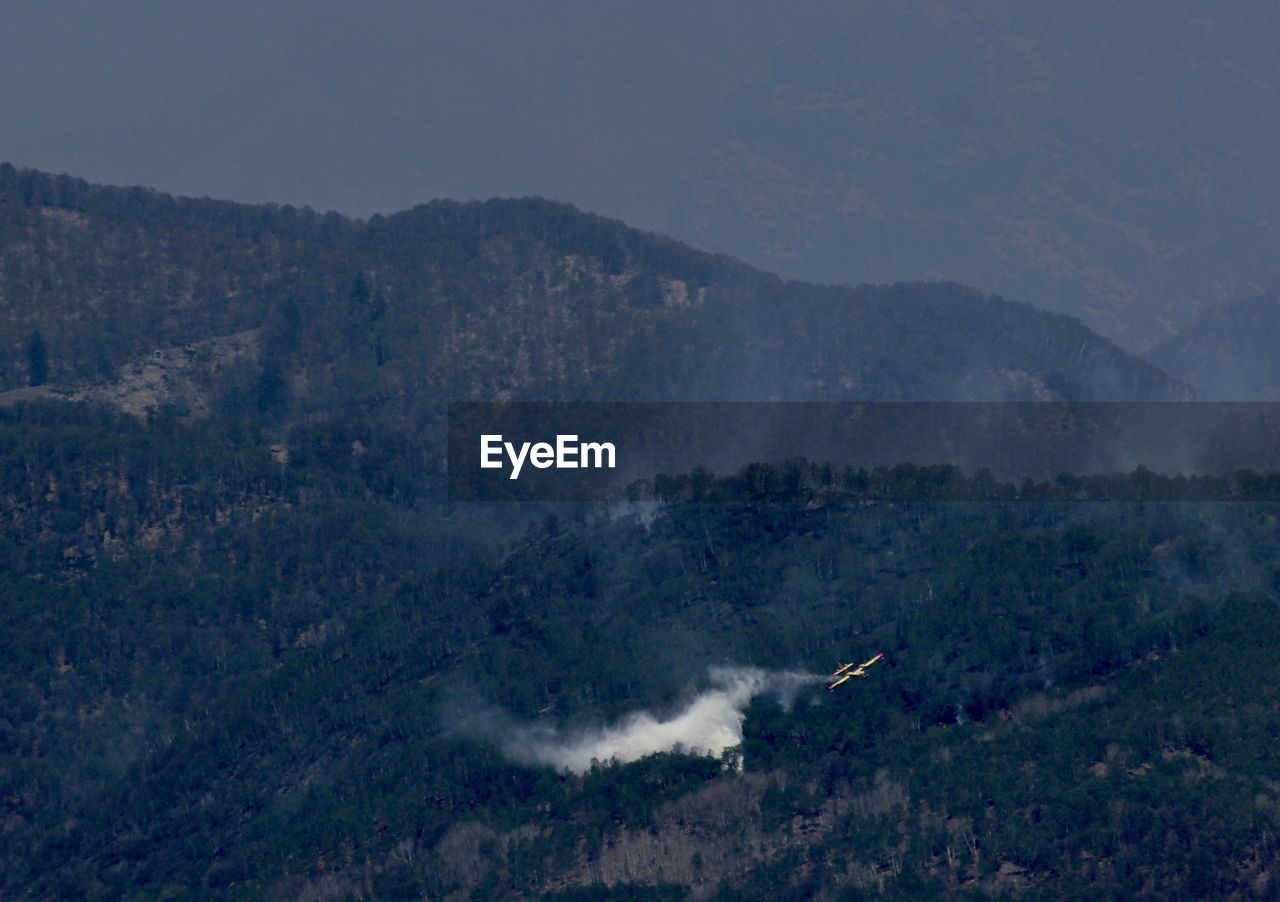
(708, 725)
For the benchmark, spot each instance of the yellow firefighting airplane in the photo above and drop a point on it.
(843, 673)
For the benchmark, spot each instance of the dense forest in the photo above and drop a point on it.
(252, 650)
(300, 679)
(140, 299)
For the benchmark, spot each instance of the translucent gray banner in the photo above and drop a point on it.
(601, 451)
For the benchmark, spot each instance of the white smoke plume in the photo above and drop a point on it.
(707, 725)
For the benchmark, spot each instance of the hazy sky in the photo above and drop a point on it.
(1109, 161)
(377, 106)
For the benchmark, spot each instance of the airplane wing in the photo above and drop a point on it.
(847, 672)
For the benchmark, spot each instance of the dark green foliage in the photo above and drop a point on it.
(229, 672)
(249, 655)
(37, 361)
(522, 298)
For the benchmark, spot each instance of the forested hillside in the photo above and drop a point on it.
(269, 679)
(139, 299)
(251, 652)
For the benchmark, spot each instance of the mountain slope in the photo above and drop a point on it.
(1112, 162)
(278, 682)
(1229, 352)
(247, 655)
(308, 314)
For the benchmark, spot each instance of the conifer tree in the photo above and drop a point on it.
(37, 362)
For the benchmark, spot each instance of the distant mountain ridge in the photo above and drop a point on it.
(1108, 161)
(280, 313)
(1230, 351)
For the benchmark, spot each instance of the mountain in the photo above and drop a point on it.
(1109, 162)
(1229, 351)
(140, 299)
(228, 677)
(250, 653)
